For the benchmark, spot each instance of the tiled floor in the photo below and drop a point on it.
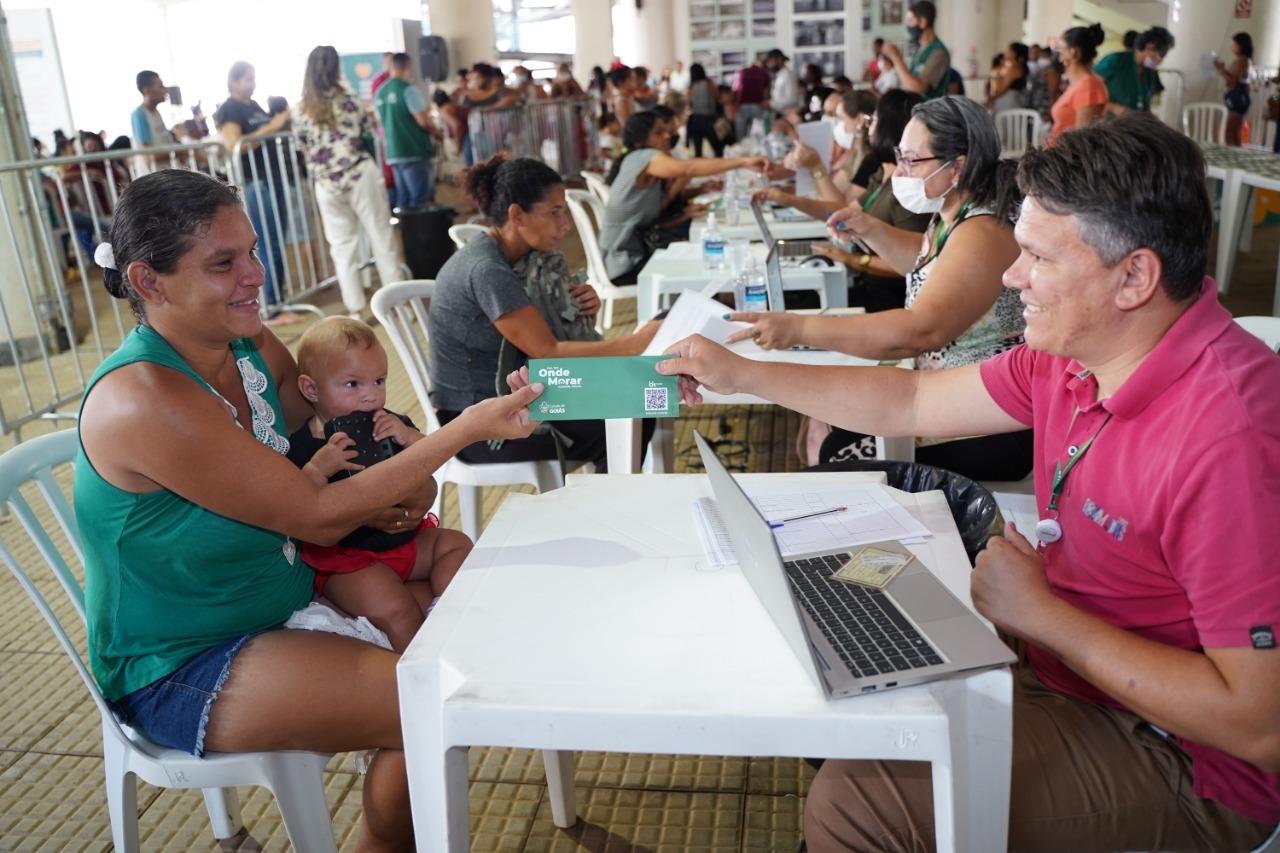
(51, 787)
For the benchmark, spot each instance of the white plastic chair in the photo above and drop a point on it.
(1266, 329)
(461, 235)
(402, 310)
(597, 186)
(1018, 131)
(580, 202)
(1205, 122)
(295, 778)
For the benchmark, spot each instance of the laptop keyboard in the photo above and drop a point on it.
(867, 630)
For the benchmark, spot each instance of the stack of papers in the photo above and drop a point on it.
(870, 515)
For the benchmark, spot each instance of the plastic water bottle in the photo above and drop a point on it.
(732, 208)
(751, 292)
(712, 245)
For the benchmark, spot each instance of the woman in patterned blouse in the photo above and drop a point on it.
(331, 126)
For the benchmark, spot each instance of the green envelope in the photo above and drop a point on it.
(582, 389)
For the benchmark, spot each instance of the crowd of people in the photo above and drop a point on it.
(1048, 312)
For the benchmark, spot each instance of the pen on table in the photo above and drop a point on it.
(774, 525)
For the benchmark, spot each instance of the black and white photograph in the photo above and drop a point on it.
(891, 11)
(735, 9)
(764, 27)
(819, 33)
(732, 29)
(763, 7)
(831, 61)
(702, 9)
(703, 31)
(805, 7)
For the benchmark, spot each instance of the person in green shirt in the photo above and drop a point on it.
(1131, 76)
(190, 512)
(928, 67)
(409, 133)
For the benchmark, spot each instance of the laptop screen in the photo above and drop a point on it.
(773, 277)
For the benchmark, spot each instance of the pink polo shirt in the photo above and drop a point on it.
(1169, 521)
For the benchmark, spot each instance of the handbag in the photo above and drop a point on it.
(655, 238)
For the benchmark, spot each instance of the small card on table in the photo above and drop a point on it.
(875, 565)
(578, 389)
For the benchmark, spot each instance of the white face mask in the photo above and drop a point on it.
(842, 134)
(910, 193)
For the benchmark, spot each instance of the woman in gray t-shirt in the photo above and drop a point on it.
(636, 191)
(481, 301)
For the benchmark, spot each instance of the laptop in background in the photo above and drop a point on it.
(855, 639)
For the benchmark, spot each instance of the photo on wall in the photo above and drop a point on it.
(819, 33)
(831, 61)
(806, 7)
(891, 11)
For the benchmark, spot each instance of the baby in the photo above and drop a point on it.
(390, 578)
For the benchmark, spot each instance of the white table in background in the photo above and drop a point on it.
(678, 268)
(1240, 170)
(790, 227)
(587, 618)
(625, 448)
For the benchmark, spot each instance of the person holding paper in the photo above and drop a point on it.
(636, 194)
(956, 312)
(510, 288)
(1146, 705)
(879, 287)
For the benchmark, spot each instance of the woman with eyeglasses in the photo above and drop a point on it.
(957, 309)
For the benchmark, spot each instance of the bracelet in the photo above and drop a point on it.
(864, 263)
(818, 174)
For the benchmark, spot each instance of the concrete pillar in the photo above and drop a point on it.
(593, 37)
(468, 27)
(970, 30)
(646, 36)
(1197, 26)
(1047, 20)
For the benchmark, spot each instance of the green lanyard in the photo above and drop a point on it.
(872, 199)
(941, 235)
(1060, 473)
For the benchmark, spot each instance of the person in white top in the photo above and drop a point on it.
(785, 93)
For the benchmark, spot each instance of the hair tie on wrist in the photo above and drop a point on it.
(104, 256)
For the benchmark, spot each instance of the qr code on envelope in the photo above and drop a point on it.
(655, 399)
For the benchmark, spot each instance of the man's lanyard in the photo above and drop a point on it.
(1048, 530)
(1060, 473)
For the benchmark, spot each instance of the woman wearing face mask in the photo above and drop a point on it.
(636, 196)
(564, 86)
(1086, 97)
(879, 286)
(957, 310)
(1131, 76)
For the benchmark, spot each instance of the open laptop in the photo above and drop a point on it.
(856, 639)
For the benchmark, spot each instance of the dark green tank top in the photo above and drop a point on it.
(166, 579)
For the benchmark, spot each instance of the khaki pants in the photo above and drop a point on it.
(1085, 778)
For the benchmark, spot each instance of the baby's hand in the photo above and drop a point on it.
(335, 456)
(387, 425)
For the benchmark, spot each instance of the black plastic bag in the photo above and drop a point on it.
(972, 506)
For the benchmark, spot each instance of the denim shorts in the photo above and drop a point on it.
(173, 711)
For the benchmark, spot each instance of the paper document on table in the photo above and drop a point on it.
(816, 135)
(1022, 511)
(693, 314)
(870, 515)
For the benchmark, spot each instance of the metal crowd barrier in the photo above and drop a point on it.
(57, 322)
(560, 132)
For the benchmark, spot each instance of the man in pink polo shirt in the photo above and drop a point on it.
(1147, 698)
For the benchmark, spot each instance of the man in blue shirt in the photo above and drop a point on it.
(148, 125)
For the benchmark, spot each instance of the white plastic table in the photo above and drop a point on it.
(587, 618)
(794, 226)
(678, 268)
(1239, 170)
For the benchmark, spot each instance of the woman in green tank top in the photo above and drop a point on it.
(189, 509)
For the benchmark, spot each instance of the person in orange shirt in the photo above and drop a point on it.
(1085, 98)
